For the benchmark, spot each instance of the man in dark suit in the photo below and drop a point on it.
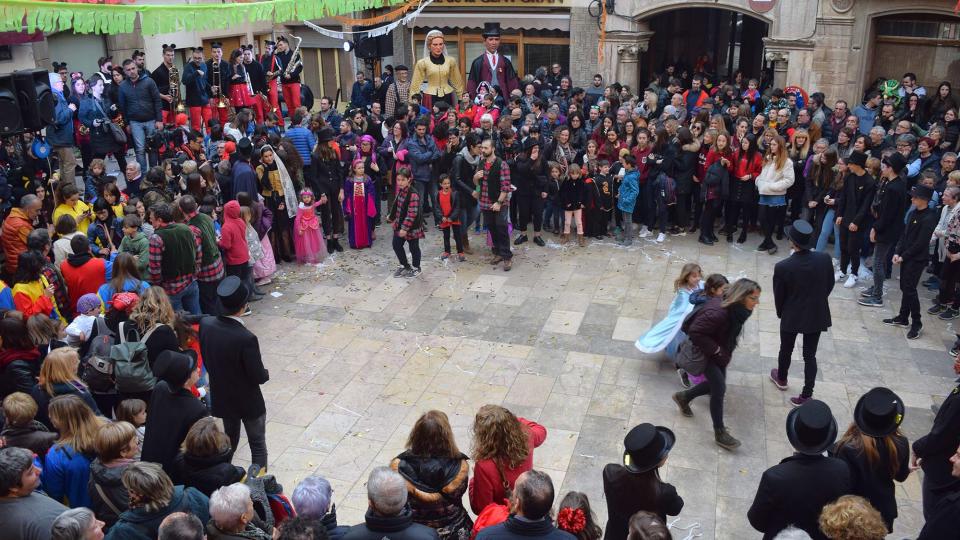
(795, 491)
(492, 67)
(801, 286)
(231, 354)
(933, 451)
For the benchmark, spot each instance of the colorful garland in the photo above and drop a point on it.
(30, 15)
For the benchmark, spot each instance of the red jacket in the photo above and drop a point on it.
(233, 235)
(486, 487)
(83, 279)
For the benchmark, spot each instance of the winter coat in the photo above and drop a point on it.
(327, 179)
(529, 177)
(18, 371)
(233, 235)
(60, 133)
(874, 482)
(775, 182)
(250, 532)
(486, 485)
(140, 101)
(303, 140)
(59, 389)
(34, 437)
(207, 474)
(936, 447)
(461, 175)
(855, 199)
(422, 153)
(572, 194)
(745, 192)
(889, 205)
(399, 527)
(172, 413)
(795, 491)
(628, 191)
(709, 331)
(945, 519)
(685, 167)
(436, 486)
(141, 524)
(101, 138)
(628, 493)
(801, 286)
(108, 480)
(515, 528)
(716, 184)
(231, 355)
(65, 475)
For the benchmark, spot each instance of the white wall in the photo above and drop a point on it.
(22, 59)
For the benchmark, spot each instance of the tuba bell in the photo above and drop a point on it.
(176, 105)
(215, 74)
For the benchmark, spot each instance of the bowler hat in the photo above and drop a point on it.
(857, 158)
(174, 367)
(801, 233)
(921, 192)
(895, 161)
(645, 447)
(491, 29)
(326, 134)
(879, 412)
(233, 293)
(811, 427)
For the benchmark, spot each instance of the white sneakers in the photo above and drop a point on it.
(644, 232)
(850, 282)
(661, 237)
(838, 275)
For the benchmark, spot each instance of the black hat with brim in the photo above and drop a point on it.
(801, 234)
(811, 427)
(233, 293)
(879, 412)
(326, 134)
(646, 446)
(491, 29)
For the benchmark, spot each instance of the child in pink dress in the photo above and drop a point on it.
(307, 239)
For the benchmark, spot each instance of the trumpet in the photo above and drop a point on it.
(218, 95)
(176, 106)
(295, 59)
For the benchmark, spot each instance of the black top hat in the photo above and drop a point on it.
(895, 161)
(811, 427)
(801, 233)
(491, 29)
(326, 134)
(233, 293)
(174, 367)
(269, 42)
(921, 192)
(645, 446)
(857, 158)
(216, 45)
(245, 147)
(879, 412)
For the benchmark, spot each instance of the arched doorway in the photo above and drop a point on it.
(730, 40)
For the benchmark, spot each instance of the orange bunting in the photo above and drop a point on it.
(390, 16)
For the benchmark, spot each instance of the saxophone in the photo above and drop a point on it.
(295, 58)
(176, 106)
(215, 74)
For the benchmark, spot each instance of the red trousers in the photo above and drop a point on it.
(199, 116)
(291, 96)
(240, 98)
(272, 91)
(221, 114)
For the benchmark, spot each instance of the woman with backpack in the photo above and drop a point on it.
(152, 324)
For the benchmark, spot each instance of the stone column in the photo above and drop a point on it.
(621, 57)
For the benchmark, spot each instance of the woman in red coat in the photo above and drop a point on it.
(502, 449)
(742, 195)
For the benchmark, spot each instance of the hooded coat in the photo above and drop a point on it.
(233, 235)
(140, 524)
(436, 486)
(111, 493)
(209, 473)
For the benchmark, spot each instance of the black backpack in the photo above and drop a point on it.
(98, 366)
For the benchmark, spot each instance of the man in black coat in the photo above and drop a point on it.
(933, 451)
(889, 206)
(912, 254)
(231, 354)
(801, 288)
(173, 409)
(944, 522)
(795, 491)
(529, 512)
(388, 515)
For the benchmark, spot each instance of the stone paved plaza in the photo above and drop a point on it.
(355, 356)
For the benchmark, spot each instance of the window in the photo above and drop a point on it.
(546, 55)
(918, 29)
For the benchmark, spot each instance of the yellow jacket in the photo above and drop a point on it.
(441, 79)
(75, 213)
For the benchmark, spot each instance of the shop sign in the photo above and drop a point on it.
(762, 6)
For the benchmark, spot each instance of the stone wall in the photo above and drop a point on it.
(583, 47)
(830, 71)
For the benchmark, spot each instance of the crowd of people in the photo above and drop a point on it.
(122, 335)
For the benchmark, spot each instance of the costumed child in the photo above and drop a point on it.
(449, 202)
(307, 240)
(714, 287)
(262, 269)
(665, 335)
(359, 206)
(599, 202)
(407, 219)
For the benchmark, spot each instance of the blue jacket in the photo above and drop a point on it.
(515, 528)
(197, 87)
(361, 95)
(65, 476)
(421, 153)
(629, 189)
(867, 117)
(140, 101)
(61, 132)
(139, 524)
(303, 140)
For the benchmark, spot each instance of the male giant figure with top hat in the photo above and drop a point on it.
(491, 66)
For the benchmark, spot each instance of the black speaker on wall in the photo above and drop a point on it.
(37, 103)
(10, 121)
(374, 47)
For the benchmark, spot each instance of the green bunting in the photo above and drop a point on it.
(31, 15)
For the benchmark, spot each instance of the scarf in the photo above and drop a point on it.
(738, 315)
(9, 356)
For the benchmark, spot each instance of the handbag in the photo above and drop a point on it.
(690, 358)
(118, 134)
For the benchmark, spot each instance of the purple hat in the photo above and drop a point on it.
(87, 302)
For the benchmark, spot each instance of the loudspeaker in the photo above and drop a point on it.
(374, 47)
(10, 121)
(37, 103)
